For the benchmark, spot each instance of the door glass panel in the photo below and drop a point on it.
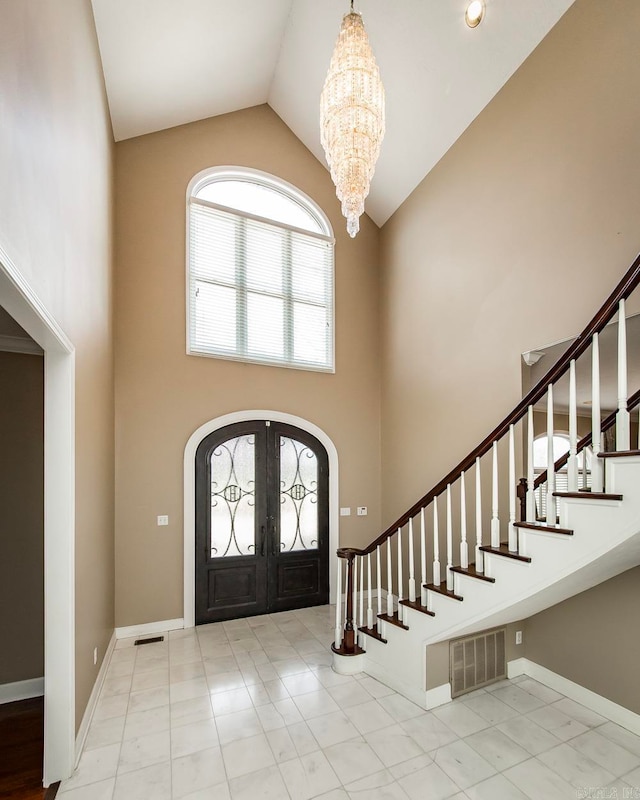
(233, 468)
(298, 496)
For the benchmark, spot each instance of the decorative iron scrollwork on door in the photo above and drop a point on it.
(298, 496)
(233, 466)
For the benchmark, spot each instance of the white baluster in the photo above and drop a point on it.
(389, 580)
(495, 520)
(339, 625)
(369, 592)
(551, 474)
(412, 574)
(423, 559)
(513, 531)
(449, 541)
(479, 553)
(355, 598)
(596, 434)
(436, 545)
(361, 592)
(400, 593)
(379, 577)
(572, 464)
(623, 424)
(464, 547)
(531, 477)
(586, 460)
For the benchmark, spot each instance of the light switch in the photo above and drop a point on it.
(362, 511)
(163, 519)
(345, 512)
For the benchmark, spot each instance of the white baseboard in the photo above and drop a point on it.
(438, 696)
(517, 667)
(375, 670)
(150, 627)
(83, 730)
(596, 702)
(21, 690)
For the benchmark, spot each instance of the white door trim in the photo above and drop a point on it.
(19, 299)
(190, 495)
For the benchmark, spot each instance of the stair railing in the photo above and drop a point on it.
(424, 518)
(583, 445)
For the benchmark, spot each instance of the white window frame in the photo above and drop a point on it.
(236, 173)
(541, 491)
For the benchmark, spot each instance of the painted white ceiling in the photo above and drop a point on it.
(168, 62)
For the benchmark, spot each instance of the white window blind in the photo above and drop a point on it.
(259, 290)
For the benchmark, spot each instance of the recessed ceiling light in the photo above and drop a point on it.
(474, 14)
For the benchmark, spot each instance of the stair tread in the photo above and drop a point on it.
(589, 495)
(416, 606)
(394, 620)
(373, 633)
(620, 454)
(442, 589)
(473, 573)
(536, 526)
(503, 550)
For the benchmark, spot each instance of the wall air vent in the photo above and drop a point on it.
(153, 640)
(477, 660)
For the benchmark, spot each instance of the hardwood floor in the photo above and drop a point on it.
(21, 745)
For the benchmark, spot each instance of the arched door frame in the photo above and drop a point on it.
(190, 494)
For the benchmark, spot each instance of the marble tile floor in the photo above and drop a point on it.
(251, 709)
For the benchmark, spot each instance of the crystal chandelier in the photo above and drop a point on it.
(352, 117)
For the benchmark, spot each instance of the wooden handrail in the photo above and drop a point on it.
(604, 315)
(607, 423)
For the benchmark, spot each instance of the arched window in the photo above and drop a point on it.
(560, 448)
(260, 271)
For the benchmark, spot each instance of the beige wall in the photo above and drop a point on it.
(55, 222)
(537, 202)
(21, 517)
(592, 639)
(163, 395)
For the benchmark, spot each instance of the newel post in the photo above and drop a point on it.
(349, 638)
(521, 490)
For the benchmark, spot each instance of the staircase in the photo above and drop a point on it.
(460, 561)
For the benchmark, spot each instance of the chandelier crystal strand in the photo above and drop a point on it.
(352, 117)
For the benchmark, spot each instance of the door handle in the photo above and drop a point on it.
(274, 545)
(263, 544)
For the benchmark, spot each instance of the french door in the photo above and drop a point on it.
(262, 521)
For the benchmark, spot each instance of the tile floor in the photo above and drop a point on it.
(251, 709)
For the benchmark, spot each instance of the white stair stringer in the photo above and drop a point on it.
(605, 542)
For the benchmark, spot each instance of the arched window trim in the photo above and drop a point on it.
(563, 435)
(249, 175)
(236, 173)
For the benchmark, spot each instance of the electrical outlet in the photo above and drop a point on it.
(518, 637)
(362, 511)
(163, 519)
(95, 656)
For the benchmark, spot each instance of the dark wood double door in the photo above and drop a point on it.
(262, 521)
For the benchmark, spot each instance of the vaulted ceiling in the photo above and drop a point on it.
(167, 63)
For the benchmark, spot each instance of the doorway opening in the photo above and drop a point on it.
(23, 305)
